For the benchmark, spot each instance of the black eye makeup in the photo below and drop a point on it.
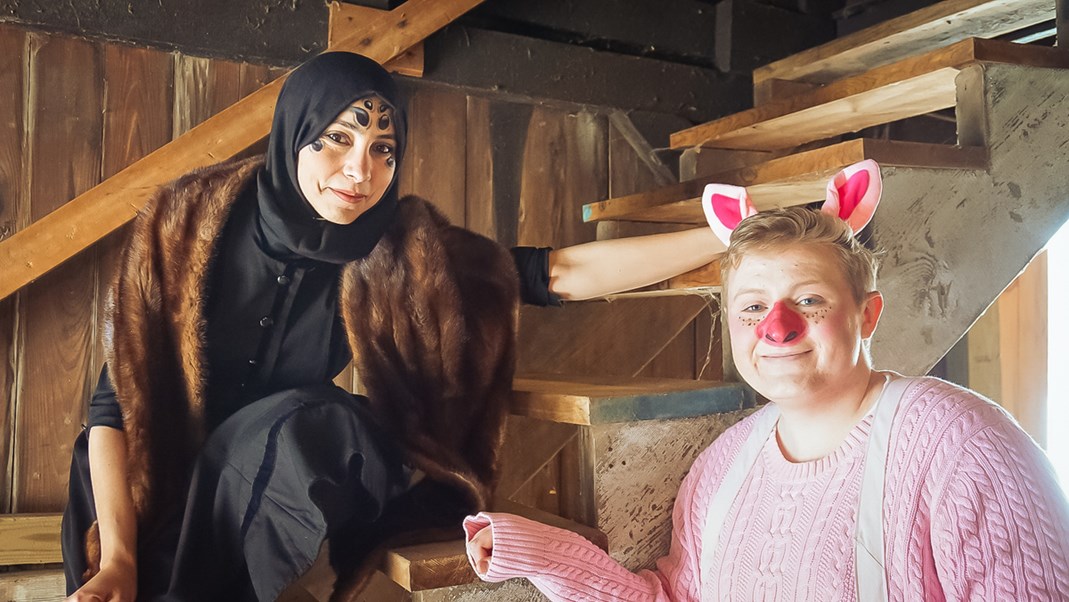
(370, 112)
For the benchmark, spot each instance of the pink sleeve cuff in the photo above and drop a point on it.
(520, 544)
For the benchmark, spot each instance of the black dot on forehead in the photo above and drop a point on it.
(384, 122)
(362, 117)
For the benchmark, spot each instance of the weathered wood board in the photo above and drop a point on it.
(13, 216)
(932, 27)
(64, 117)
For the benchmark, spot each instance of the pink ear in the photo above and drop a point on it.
(854, 193)
(725, 206)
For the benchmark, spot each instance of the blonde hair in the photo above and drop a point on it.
(799, 225)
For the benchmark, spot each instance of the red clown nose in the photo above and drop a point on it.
(782, 326)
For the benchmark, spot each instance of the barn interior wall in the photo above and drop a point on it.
(77, 111)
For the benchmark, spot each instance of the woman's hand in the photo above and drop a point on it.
(481, 549)
(111, 584)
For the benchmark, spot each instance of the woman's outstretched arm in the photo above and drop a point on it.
(117, 579)
(604, 267)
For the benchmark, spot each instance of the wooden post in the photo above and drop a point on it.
(1062, 15)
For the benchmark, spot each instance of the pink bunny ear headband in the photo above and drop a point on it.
(852, 194)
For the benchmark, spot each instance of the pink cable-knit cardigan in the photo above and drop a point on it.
(972, 511)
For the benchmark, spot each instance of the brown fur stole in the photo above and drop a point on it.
(430, 316)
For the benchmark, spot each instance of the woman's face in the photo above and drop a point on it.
(348, 169)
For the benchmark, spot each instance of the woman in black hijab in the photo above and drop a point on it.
(289, 457)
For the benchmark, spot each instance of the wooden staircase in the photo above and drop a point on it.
(957, 223)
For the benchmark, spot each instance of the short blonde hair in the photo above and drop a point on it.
(799, 225)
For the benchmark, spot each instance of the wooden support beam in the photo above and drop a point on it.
(791, 180)
(29, 539)
(910, 87)
(94, 214)
(346, 18)
(919, 31)
(593, 400)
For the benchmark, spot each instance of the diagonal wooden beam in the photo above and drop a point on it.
(87, 218)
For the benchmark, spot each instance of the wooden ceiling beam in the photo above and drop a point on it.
(91, 216)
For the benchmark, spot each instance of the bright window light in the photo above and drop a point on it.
(1057, 355)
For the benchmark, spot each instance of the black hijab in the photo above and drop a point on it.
(313, 96)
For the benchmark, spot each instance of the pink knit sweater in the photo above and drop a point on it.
(972, 511)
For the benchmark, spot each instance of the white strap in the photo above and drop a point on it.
(730, 486)
(871, 577)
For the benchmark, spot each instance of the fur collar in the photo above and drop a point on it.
(441, 387)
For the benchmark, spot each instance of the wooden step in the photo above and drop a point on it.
(29, 539)
(593, 400)
(445, 564)
(38, 585)
(791, 180)
(920, 31)
(910, 87)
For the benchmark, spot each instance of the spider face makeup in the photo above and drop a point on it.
(349, 167)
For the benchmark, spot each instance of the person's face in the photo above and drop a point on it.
(796, 328)
(348, 169)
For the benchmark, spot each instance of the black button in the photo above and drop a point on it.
(283, 280)
(267, 322)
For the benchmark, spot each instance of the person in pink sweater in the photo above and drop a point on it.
(854, 483)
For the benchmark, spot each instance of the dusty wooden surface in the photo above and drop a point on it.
(513, 590)
(42, 585)
(27, 539)
(57, 315)
(346, 19)
(953, 241)
(783, 181)
(909, 87)
(914, 33)
(598, 400)
(13, 216)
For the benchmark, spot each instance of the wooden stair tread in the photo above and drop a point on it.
(907, 88)
(29, 539)
(37, 585)
(445, 564)
(919, 31)
(593, 400)
(790, 180)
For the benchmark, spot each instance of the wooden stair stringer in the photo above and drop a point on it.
(952, 242)
(910, 87)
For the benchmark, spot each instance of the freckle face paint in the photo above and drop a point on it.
(782, 326)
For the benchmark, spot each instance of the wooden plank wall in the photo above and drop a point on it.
(74, 111)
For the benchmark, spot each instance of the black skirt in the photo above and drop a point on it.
(271, 483)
